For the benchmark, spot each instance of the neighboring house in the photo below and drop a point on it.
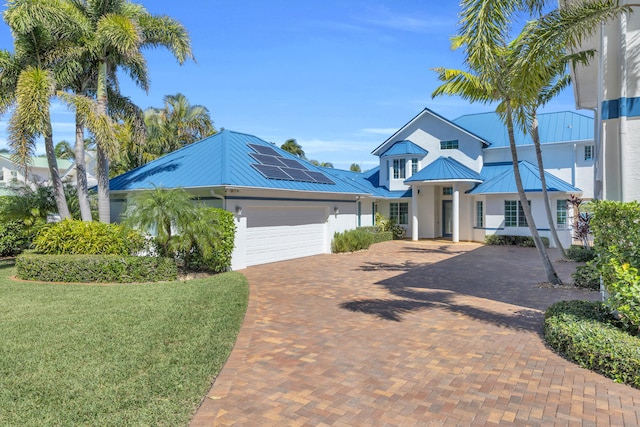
(437, 178)
(38, 170)
(609, 87)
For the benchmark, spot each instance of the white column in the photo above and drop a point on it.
(414, 212)
(456, 213)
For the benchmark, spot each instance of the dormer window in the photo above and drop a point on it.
(414, 166)
(399, 169)
(449, 145)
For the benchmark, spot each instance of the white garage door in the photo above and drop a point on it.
(281, 233)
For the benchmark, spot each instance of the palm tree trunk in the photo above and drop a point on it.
(102, 168)
(552, 276)
(545, 196)
(81, 173)
(56, 181)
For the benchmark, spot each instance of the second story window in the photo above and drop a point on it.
(447, 191)
(588, 152)
(414, 166)
(399, 169)
(449, 145)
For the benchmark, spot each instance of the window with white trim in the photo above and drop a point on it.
(561, 212)
(479, 214)
(447, 191)
(514, 214)
(588, 152)
(399, 213)
(414, 166)
(449, 145)
(399, 169)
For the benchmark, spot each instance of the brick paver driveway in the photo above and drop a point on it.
(408, 333)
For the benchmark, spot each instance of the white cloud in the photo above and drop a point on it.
(380, 131)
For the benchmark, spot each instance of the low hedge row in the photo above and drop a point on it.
(580, 254)
(95, 268)
(585, 332)
(527, 241)
(358, 239)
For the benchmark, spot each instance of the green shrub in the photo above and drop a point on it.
(13, 238)
(584, 332)
(580, 254)
(377, 233)
(503, 239)
(74, 237)
(94, 268)
(212, 250)
(351, 241)
(616, 231)
(587, 276)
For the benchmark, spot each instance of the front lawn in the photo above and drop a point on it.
(116, 355)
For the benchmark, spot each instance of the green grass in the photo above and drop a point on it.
(119, 355)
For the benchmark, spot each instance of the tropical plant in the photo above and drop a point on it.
(29, 80)
(355, 167)
(115, 32)
(175, 125)
(321, 164)
(292, 146)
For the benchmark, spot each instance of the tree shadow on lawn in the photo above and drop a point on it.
(502, 274)
(6, 263)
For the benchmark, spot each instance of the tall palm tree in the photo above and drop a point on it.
(177, 124)
(117, 31)
(490, 58)
(30, 78)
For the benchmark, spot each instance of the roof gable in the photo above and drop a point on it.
(405, 147)
(425, 113)
(503, 180)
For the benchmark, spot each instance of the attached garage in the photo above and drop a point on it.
(278, 233)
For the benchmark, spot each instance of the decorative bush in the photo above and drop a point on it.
(378, 234)
(387, 224)
(616, 231)
(580, 254)
(95, 268)
(587, 276)
(351, 241)
(95, 238)
(13, 238)
(500, 239)
(585, 332)
(212, 250)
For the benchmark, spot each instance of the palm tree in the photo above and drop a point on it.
(292, 146)
(29, 79)
(163, 213)
(490, 58)
(116, 32)
(355, 167)
(177, 124)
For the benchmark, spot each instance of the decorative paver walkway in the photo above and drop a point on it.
(407, 334)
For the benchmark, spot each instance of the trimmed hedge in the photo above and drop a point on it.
(358, 239)
(585, 332)
(13, 238)
(95, 268)
(587, 276)
(580, 254)
(75, 237)
(526, 241)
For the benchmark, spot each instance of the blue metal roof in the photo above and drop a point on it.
(222, 159)
(368, 182)
(564, 126)
(500, 179)
(404, 147)
(445, 169)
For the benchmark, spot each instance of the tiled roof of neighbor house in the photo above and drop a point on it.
(404, 147)
(368, 182)
(565, 126)
(445, 169)
(223, 159)
(500, 179)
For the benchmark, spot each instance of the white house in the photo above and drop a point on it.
(609, 86)
(437, 178)
(38, 170)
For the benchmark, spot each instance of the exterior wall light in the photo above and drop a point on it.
(336, 210)
(238, 210)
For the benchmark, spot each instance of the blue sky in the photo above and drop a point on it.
(338, 76)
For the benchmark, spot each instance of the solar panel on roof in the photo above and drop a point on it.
(291, 163)
(272, 172)
(267, 160)
(298, 174)
(263, 149)
(319, 177)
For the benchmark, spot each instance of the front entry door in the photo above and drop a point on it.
(447, 218)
